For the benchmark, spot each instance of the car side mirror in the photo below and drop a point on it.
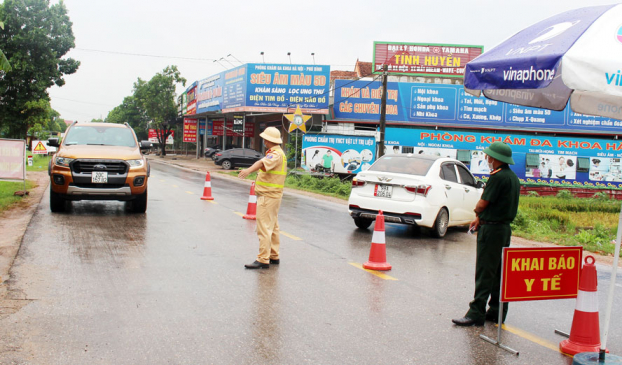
(53, 142)
(480, 185)
(145, 145)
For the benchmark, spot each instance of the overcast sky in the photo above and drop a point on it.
(112, 35)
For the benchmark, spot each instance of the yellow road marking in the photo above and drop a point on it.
(211, 201)
(373, 272)
(189, 192)
(533, 338)
(240, 214)
(175, 186)
(291, 236)
(162, 180)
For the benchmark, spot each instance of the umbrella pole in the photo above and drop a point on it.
(612, 284)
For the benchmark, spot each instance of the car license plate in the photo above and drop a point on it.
(99, 177)
(383, 191)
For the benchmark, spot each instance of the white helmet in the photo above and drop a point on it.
(272, 134)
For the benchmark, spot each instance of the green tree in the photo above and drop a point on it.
(157, 98)
(35, 38)
(97, 120)
(131, 112)
(4, 62)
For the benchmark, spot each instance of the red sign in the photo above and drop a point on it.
(249, 129)
(153, 137)
(540, 273)
(422, 59)
(190, 130)
(191, 108)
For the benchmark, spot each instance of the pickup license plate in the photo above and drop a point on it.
(383, 191)
(99, 177)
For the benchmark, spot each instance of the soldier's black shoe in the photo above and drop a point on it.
(466, 321)
(275, 262)
(257, 265)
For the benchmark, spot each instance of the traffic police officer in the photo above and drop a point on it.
(494, 212)
(269, 190)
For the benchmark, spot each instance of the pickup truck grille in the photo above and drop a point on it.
(112, 167)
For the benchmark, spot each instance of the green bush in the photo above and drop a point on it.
(565, 194)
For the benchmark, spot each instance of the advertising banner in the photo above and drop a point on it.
(12, 159)
(238, 123)
(539, 159)
(337, 153)
(153, 137)
(540, 273)
(436, 104)
(277, 88)
(424, 59)
(217, 129)
(191, 99)
(202, 123)
(209, 94)
(190, 130)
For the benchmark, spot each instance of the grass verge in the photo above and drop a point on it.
(8, 198)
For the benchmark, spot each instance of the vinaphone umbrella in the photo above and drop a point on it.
(573, 57)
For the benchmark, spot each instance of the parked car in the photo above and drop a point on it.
(427, 191)
(236, 157)
(211, 150)
(99, 161)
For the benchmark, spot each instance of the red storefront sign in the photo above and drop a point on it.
(540, 273)
(249, 129)
(190, 130)
(422, 59)
(153, 137)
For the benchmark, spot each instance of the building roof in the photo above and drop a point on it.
(343, 75)
(363, 69)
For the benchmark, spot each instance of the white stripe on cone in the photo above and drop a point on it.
(208, 184)
(378, 237)
(252, 199)
(587, 301)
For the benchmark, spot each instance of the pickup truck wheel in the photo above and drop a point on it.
(362, 223)
(57, 203)
(139, 205)
(227, 165)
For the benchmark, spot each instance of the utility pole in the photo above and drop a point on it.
(383, 111)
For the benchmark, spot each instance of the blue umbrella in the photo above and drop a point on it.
(574, 56)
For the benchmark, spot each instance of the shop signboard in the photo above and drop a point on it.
(249, 129)
(277, 88)
(238, 123)
(190, 130)
(153, 137)
(202, 123)
(191, 99)
(339, 153)
(539, 159)
(424, 59)
(450, 105)
(209, 94)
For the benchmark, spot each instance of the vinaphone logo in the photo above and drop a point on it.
(613, 78)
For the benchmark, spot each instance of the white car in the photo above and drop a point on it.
(426, 191)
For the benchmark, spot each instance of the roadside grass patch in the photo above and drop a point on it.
(39, 163)
(7, 191)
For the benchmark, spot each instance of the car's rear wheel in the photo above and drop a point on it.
(227, 165)
(139, 205)
(57, 203)
(440, 225)
(363, 223)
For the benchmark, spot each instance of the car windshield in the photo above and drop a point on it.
(403, 165)
(100, 136)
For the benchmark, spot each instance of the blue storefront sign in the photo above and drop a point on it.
(450, 105)
(276, 88)
(577, 162)
(209, 94)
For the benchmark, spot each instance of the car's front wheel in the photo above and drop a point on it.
(139, 205)
(363, 223)
(227, 165)
(440, 225)
(57, 203)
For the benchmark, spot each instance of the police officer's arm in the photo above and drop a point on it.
(255, 167)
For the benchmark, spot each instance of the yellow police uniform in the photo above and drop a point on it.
(269, 190)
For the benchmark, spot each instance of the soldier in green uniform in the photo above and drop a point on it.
(494, 212)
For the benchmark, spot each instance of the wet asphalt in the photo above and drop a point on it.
(99, 285)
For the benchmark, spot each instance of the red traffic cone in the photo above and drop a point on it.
(251, 210)
(378, 253)
(207, 191)
(585, 331)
